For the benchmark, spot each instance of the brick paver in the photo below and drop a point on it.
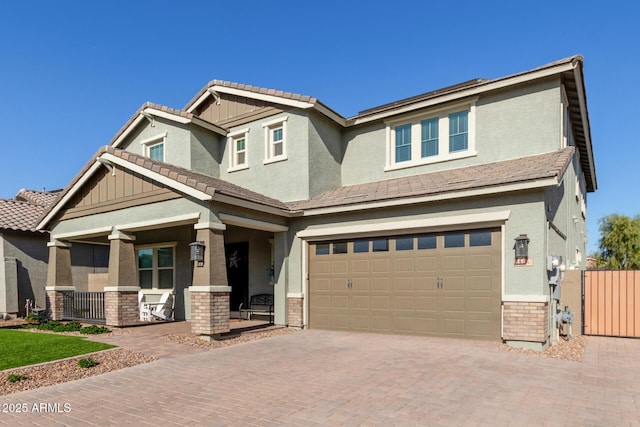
(320, 378)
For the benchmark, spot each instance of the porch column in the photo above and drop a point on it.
(59, 278)
(121, 296)
(210, 291)
(295, 307)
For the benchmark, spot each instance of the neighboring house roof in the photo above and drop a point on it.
(22, 212)
(149, 110)
(40, 198)
(543, 169)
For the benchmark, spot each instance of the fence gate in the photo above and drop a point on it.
(612, 303)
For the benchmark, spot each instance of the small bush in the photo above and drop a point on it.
(14, 378)
(94, 329)
(88, 362)
(56, 326)
(32, 319)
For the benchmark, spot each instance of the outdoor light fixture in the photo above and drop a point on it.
(522, 247)
(197, 251)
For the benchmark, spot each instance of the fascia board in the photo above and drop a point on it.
(88, 174)
(252, 223)
(438, 197)
(465, 93)
(447, 222)
(229, 200)
(157, 177)
(585, 123)
(263, 97)
(127, 131)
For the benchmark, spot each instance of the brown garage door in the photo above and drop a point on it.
(441, 284)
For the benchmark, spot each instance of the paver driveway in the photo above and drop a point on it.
(333, 379)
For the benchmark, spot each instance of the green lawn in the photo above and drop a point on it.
(19, 348)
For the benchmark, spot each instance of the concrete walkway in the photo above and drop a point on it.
(319, 378)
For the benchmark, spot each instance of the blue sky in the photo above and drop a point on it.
(73, 72)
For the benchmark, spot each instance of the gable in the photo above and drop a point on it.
(105, 192)
(229, 110)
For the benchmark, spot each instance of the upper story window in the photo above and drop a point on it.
(154, 147)
(439, 135)
(275, 133)
(239, 150)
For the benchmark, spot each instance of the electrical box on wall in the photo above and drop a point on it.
(555, 271)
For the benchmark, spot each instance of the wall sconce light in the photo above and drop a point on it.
(197, 251)
(522, 247)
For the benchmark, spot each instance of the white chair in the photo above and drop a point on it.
(164, 307)
(145, 309)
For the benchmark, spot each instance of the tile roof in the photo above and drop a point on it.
(40, 198)
(543, 166)
(204, 183)
(163, 108)
(22, 212)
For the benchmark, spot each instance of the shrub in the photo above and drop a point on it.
(56, 326)
(14, 378)
(88, 362)
(94, 329)
(32, 319)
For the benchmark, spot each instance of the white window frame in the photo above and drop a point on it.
(233, 153)
(155, 268)
(443, 136)
(269, 127)
(154, 141)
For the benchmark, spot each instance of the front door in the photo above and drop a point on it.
(237, 260)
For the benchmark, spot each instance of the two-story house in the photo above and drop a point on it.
(442, 214)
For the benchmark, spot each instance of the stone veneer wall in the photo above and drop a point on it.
(55, 304)
(526, 321)
(294, 312)
(121, 308)
(209, 313)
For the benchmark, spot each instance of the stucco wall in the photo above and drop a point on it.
(509, 125)
(283, 180)
(325, 154)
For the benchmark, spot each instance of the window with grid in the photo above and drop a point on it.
(275, 140)
(156, 267)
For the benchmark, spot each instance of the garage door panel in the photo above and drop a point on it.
(341, 321)
(423, 304)
(361, 301)
(479, 304)
(380, 303)
(361, 266)
(380, 266)
(480, 262)
(426, 264)
(360, 284)
(426, 325)
(453, 263)
(322, 285)
(322, 301)
(380, 284)
(339, 267)
(454, 283)
(479, 283)
(340, 302)
(339, 285)
(360, 322)
(426, 283)
(403, 284)
(403, 265)
(403, 324)
(403, 304)
(453, 326)
(479, 328)
(321, 267)
(450, 304)
(380, 324)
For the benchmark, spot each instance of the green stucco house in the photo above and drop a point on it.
(450, 213)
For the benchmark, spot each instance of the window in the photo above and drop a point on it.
(360, 246)
(427, 242)
(458, 131)
(154, 147)
(403, 143)
(429, 137)
(440, 135)
(380, 245)
(238, 156)
(480, 238)
(454, 240)
(275, 133)
(156, 266)
(340, 248)
(404, 243)
(322, 249)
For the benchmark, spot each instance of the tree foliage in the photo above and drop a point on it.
(619, 242)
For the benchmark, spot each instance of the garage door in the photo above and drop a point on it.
(439, 284)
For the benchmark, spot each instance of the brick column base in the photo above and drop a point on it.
(210, 310)
(294, 312)
(526, 321)
(121, 307)
(55, 303)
